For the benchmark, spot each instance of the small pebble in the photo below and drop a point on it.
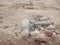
(54, 35)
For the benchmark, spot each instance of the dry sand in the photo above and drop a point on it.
(13, 12)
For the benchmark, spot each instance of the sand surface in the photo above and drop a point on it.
(12, 12)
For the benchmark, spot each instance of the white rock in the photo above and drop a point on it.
(25, 24)
(58, 32)
(25, 33)
(54, 34)
(34, 33)
(44, 19)
(42, 28)
(42, 37)
(51, 27)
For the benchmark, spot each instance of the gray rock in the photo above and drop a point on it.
(45, 22)
(31, 28)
